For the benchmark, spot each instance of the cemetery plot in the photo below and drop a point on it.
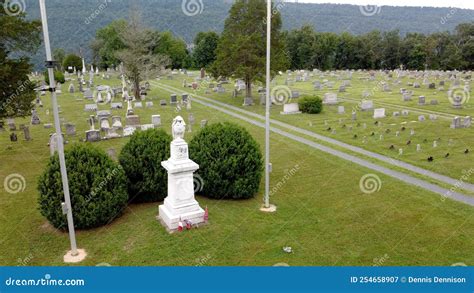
(312, 189)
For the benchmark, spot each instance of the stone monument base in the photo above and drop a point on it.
(170, 217)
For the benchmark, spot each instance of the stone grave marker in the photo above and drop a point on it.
(116, 106)
(421, 100)
(421, 118)
(70, 129)
(26, 133)
(340, 110)
(117, 122)
(456, 123)
(173, 99)
(162, 102)
(367, 105)
(13, 137)
(292, 108)
(133, 120)
(149, 104)
(128, 130)
(156, 120)
(379, 113)
(90, 107)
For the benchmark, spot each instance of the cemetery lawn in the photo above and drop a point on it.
(426, 132)
(322, 212)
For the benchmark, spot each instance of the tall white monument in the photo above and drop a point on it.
(180, 204)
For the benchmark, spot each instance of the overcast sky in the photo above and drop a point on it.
(424, 3)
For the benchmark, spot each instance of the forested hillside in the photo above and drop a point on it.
(73, 23)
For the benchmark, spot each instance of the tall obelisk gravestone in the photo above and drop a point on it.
(180, 204)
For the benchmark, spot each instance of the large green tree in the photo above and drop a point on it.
(242, 48)
(72, 60)
(204, 52)
(18, 38)
(107, 42)
(137, 57)
(166, 44)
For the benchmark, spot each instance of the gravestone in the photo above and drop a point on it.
(292, 108)
(354, 115)
(53, 144)
(456, 123)
(90, 107)
(26, 133)
(367, 105)
(70, 129)
(406, 96)
(330, 99)
(117, 122)
(71, 88)
(421, 118)
(88, 94)
(138, 105)
(434, 102)
(103, 114)
(156, 120)
(162, 102)
(248, 101)
(433, 117)
(116, 106)
(405, 112)
(416, 85)
(342, 89)
(104, 124)
(13, 137)
(149, 104)
(145, 127)
(379, 113)
(467, 121)
(396, 114)
(173, 99)
(340, 110)
(133, 120)
(418, 147)
(432, 86)
(184, 98)
(128, 130)
(421, 100)
(35, 120)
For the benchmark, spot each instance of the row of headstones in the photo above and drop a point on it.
(132, 124)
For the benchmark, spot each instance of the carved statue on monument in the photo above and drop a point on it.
(178, 128)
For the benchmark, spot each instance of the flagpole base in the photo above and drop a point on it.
(80, 256)
(270, 209)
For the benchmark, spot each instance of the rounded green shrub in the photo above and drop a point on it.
(141, 159)
(58, 77)
(97, 188)
(230, 161)
(311, 105)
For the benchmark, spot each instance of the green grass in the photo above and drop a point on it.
(322, 213)
(425, 132)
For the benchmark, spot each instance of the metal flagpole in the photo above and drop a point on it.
(267, 109)
(62, 161)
